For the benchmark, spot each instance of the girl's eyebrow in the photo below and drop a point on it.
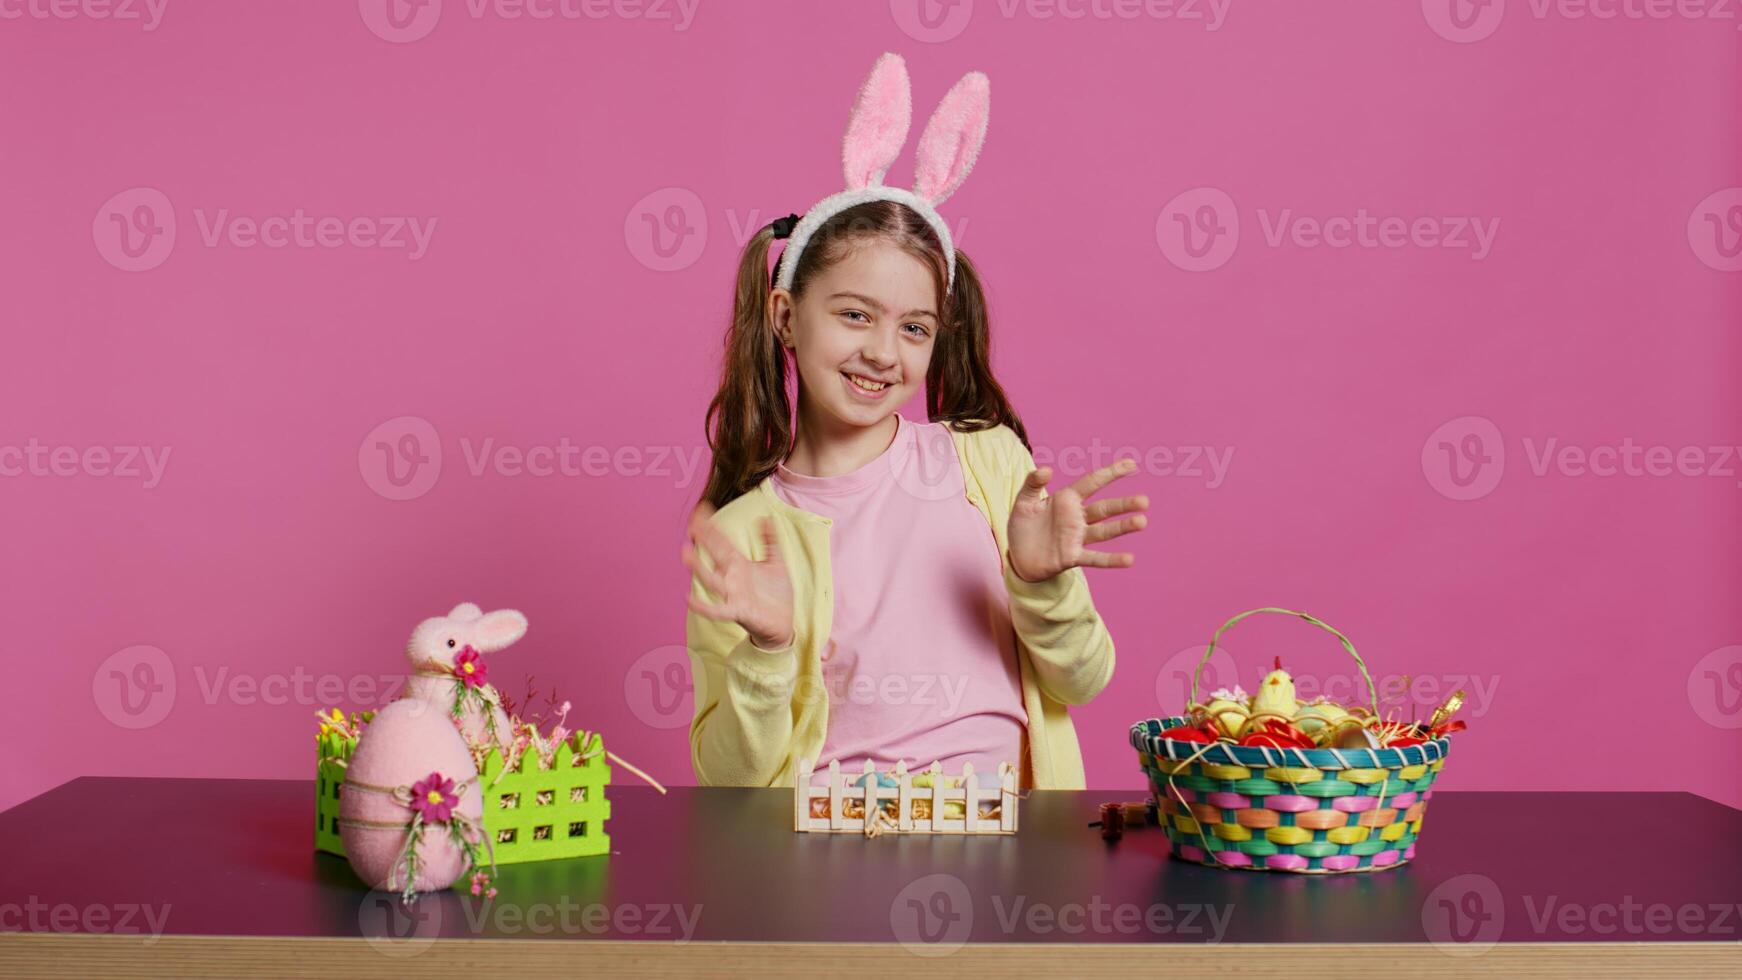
(879, 307)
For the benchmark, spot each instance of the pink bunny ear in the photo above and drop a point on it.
(878, 125)
(952, 138)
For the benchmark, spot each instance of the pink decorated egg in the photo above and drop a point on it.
(405, 743)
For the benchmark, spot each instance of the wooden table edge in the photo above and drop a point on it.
(84, 954)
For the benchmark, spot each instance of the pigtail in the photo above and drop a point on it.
(959, 386)
(749, 422)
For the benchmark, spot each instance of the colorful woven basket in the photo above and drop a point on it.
(1313, 811)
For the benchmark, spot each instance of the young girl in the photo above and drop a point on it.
(877, 588)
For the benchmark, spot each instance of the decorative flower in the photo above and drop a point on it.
(469, 667)
(433, 797)
(1224, 694)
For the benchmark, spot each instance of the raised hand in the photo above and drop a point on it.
(756, 595)
(1047, 534)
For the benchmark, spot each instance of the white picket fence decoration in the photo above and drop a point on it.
(838, 790)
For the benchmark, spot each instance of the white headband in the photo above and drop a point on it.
(876, 132)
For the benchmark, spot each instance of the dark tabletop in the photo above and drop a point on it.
(236, 858)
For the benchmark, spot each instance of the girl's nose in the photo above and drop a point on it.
(880, 349)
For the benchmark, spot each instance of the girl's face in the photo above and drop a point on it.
(863, 334)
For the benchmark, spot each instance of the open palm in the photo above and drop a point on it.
(1049, 534)
(756, 595)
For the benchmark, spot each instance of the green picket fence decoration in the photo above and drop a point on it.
(532, 813)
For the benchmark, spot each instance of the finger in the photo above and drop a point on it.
(719, 547)
(1094, 481)
(1036, 482)
(711, 579)
(1107, 559)
(709, 609)
(770, 542)
(1113, 529)
(702, 513)
(1119, 505)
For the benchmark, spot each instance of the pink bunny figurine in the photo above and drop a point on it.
(449, 669)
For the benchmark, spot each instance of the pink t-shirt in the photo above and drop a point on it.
(921, 662)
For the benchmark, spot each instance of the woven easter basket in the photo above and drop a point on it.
(1308, 811)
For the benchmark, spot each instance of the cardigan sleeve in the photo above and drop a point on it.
(1067, 641)
(741, 733)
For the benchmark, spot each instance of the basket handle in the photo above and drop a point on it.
(1372, 691)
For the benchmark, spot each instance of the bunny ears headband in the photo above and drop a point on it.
(876, 131)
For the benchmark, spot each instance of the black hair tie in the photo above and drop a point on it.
(783, 226)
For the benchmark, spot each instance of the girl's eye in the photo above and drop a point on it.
(922, 331)
(855, 313)
(450, 644)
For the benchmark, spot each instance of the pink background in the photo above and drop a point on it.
(1599, 614)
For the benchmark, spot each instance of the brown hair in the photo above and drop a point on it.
(750, 420)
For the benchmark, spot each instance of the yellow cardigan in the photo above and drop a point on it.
(757, 712)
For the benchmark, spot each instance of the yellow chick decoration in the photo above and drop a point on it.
(1228, 708)
(1321, 720)
(1276, 695)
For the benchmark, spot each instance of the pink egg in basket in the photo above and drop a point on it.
(387, 783)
